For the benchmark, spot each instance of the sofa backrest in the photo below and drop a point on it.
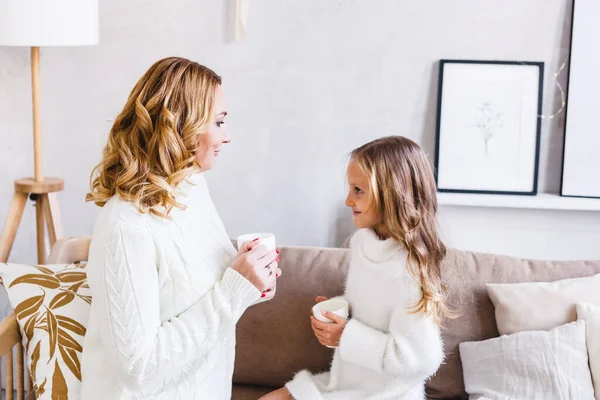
(275, 339)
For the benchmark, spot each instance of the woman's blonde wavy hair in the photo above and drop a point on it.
(152, 142)
(402, 188)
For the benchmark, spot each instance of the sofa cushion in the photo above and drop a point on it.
(52, 306)
(591, 315)
(542, 365)
(274, 339)
(541, 306)
(467, 274)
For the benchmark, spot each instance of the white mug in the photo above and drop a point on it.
(266, 239)
(335, 305)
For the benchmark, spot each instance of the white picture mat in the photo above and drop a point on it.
(512, 92)
(582, 134)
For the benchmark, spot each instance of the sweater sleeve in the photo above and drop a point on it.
(412, 348)
(126, 293)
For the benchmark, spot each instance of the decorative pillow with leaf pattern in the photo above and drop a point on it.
(52, 305)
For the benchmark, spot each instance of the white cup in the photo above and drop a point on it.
(336, 306)
(266, 239)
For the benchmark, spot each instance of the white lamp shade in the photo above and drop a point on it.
(40, 23)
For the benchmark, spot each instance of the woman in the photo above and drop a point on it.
(168, 287)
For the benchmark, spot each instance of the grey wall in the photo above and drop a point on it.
(312, 80)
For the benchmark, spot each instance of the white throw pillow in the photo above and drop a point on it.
(591, 315)
(538, 365)
(533, 306)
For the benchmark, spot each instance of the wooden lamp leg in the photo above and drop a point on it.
(15, 212)
(40, 231)
(52, 216)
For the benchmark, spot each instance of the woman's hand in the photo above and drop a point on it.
(270, 293)
(257, 265)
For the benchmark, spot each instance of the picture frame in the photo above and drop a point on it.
(488, 126)
(580, 161)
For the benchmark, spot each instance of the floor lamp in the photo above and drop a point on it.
(35, 24)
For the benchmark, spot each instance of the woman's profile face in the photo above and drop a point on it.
(217, 134)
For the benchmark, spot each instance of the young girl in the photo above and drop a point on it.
(392, 344)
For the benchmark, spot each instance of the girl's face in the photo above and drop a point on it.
(359, 192)
(217, 134)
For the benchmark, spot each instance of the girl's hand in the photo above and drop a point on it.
(320, 299)
(329, 334)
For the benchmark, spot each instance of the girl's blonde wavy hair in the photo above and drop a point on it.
(402, 188)
(152, 142)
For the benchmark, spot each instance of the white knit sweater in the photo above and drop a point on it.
(165, 302)
(385, 352)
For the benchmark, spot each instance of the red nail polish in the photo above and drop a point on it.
(276, 275)
(263, 295)
(255, 240)
(277, 251)
(277, 259)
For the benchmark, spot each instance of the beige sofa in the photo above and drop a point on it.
(275, 340)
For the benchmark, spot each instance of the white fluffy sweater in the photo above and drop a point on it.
(385, 352)
(165, 302)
